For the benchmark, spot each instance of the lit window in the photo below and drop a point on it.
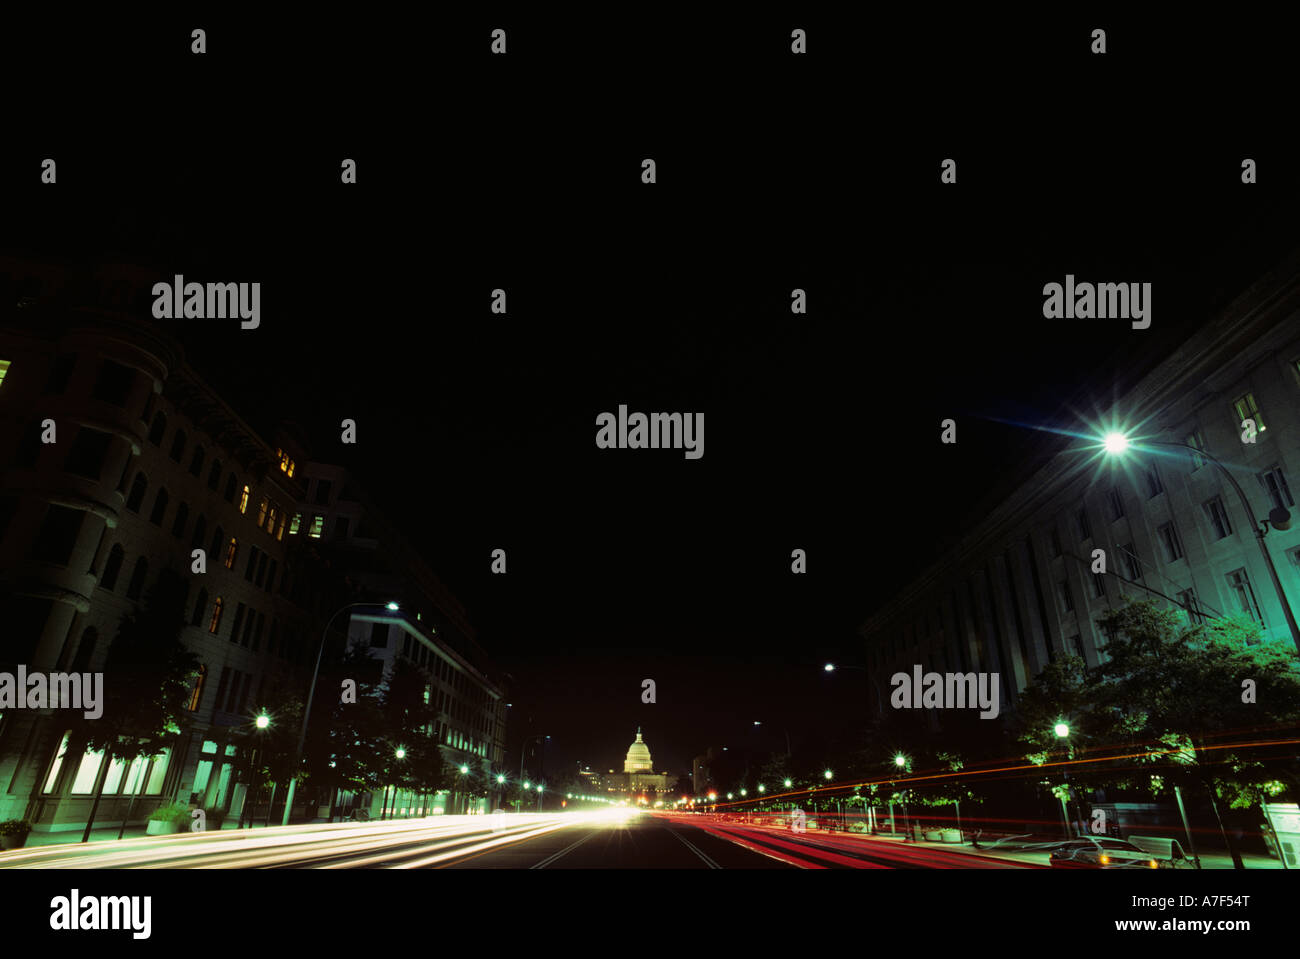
(1197, 441)
(261, 510)
(4, 368)
(243, 501)
(317, 526)
(231, 550)
(279, 530)
(197, 695)
(215, 622)
(270, 518)
(286, 465)
(1247, 409)
(297, 522)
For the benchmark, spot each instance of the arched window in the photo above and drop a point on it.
(196, 462)
(215, 623)
(217, 538)
(112, 568)
(230, 488)
(138, 486)
(243, 500)
(231, 549)
(159, 507)
(85, 650)
(182, 517)
(200, 530)
(200, 607)
(214, 475)
(178, 445)
(197, 696)
(158, 429)
(136, 586)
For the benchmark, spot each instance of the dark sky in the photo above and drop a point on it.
(822, 432)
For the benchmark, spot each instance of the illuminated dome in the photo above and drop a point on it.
(638, 756)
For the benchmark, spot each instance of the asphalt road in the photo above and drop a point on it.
(617, 839)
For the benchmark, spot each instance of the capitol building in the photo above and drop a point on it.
(638, 777)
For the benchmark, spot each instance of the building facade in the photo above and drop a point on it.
(1018, 591)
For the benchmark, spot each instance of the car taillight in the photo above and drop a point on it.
(1104, 860)
(1154, 864)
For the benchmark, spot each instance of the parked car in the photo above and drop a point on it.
(1101, 853)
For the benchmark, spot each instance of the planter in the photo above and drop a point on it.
(13, 842)
(163, 827)
(952, 835)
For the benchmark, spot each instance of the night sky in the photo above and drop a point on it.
(477, 431)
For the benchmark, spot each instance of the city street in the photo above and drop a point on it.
(615, 839)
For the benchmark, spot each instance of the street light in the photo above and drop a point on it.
(1116, 443)
(311, 695)
(827, 774)
(789, 783)
(1062, 730)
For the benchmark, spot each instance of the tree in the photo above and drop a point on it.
(148, 676)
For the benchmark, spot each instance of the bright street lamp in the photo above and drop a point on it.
(789, 783)
(827, 774)
(1062, 730)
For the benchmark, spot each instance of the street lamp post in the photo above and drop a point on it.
(311, 695)
(1116, 443)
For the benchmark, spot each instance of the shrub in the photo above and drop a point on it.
(15, 827)
(171, 812)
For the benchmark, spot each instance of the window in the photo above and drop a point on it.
(197, 696)
(112, 385)
(243, 500)
(1274, 483)
(136, 586)
(1132, 565)
(1055, 541)
(322, 492)
(158, 429)
(317, 524)
(261, 571)
(196, 461)
(200, 530)
(218, 537)
(379, 635)
(257, 633)
(286, 464)
(222, 686)
(1063, 592)
(1098, 585)
(1154, 486)
(88, 452)
(58, 535)
(200, 607)
(182, 517)
(159, 507)
(1085, 530)
(1239, 583)
(4, 370)
(1246, 408)
(1170, 544)
(297, 522)
(279, 530)
(261, 511)
(1116, 504)
(1218, 518)
(232, 548)
(270, 576)
(252, 564)
(178, 446)
(136, 497)
(1196, 440)
(1187, 600)
(231, 484)
(239, 620)
(112, 568)
(214, 475)
(271, 513)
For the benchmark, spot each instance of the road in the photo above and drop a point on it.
(616, 839)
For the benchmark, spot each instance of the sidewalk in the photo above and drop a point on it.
(1210, 860)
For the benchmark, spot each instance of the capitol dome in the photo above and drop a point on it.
(638, 756)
